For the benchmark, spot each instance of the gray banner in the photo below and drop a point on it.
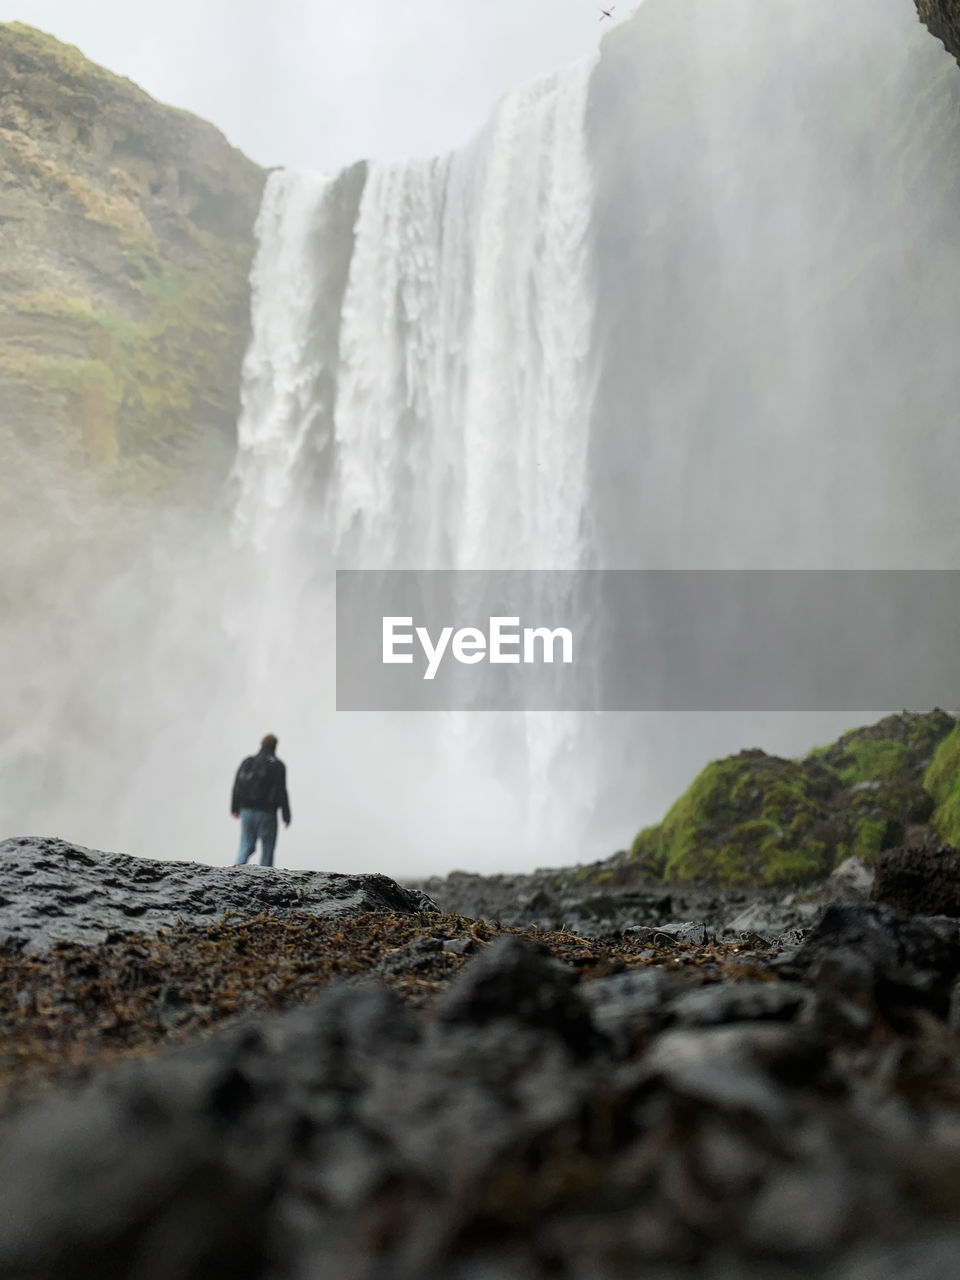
(648, 640)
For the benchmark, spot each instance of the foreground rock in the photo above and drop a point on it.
(52, 891)
(543, 1120)
(78, 1008)
(922, 880)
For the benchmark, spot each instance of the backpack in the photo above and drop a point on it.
(256, 782)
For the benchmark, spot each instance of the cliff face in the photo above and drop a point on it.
(943, 19)
(125, 247)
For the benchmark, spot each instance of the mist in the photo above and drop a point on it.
(683, 307)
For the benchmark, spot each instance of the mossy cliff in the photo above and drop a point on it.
(943, 784)
(756, 818)
(126, 236)
(943, 19)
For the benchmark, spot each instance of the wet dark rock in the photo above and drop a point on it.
(803, 1211)
(674, 931)
(461, 946)
(712, 1110)
(718, 1003)
(628, 1006)
(872, 952)
(554, 900)
(417, 957)
(515, 980)
(851, 882)
(527, 1126)
(53, 891)
(920, 881)
(734, 1068)
(772, 921)
(932, 1259)
(844, 983)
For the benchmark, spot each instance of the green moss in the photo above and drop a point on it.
(66, 57)
(784, 865)
(648, 852)
(169, 322)
(162, 379)
(869, 839)
(103, 328)
(180, 364)
(113, 206)
(745, 818)
(761, 819)
(942, 781)
(875, 760)
(90, 386)
(593, 875)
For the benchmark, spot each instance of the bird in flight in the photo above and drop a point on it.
(607, 13)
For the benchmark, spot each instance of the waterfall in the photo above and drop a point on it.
(461, 364)
(281, 404)
(418, 394)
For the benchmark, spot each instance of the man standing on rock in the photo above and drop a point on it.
(259, 790)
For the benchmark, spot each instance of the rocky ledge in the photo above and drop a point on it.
(52, 891)
(618, 1113)
(406, 1094)
(552, 899)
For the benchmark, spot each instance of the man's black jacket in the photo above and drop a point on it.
(261, 783)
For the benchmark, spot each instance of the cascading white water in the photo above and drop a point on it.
(280, 370)
(464, 402)
(442, 420)
(463, 390)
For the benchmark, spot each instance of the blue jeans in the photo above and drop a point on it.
(256, 825)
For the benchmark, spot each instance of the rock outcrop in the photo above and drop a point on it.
(757, 844)
(923, 880)
(52, 891)
(635, 1126)
(756, 818)
(943, 19)
(125, 245)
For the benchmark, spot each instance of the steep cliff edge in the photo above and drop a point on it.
(943, 19)
(125, 246)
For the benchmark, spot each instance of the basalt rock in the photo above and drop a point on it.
(873, 954)
(922, 881)
(52, 891)
(725, 1134)
(515, 981)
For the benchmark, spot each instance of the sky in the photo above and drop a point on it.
(316, 84)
